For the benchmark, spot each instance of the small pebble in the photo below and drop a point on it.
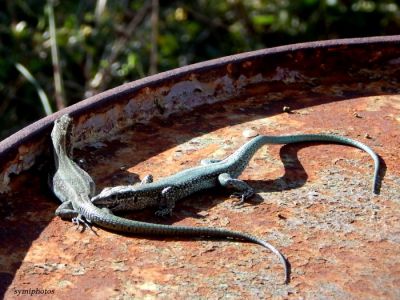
(367, 136)
(287, 109)
(282, 217)
(203, 213)
(249, 133)
(312, 195)
(355, 114)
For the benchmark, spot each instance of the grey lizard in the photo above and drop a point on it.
(74, 187)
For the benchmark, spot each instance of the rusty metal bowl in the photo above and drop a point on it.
(313, 201)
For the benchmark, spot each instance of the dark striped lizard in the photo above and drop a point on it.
(211, 173)
(74, 187)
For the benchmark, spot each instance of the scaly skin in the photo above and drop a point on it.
(165, 192)
(74, 187)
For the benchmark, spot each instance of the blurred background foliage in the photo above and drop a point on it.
(97, 45)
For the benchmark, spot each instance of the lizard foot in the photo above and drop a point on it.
(241, 196)
(85, 224)
(163, 212)
(147, 179)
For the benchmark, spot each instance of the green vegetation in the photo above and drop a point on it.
(97, 45)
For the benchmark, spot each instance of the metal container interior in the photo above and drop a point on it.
(314, 201)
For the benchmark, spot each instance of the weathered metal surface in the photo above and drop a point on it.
(313, 202)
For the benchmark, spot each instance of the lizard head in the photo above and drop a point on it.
(62, 133)
(120, 196)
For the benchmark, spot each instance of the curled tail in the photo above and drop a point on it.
(339, 140)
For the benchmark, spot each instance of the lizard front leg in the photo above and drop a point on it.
(66, 211)
(147, 179)
(167, 203)
(244, 191)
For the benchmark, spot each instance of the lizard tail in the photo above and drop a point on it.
(267, 245)
(248, 149)
(136, 227)
(339, 140)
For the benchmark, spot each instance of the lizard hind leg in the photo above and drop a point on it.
(243, 190)
(66, 211)
(80, 220)
(107, 210)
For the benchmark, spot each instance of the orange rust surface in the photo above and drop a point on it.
(313, 202)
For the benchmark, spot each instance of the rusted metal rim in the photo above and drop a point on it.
(9, 147)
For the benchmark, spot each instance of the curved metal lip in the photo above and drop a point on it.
(36, 129)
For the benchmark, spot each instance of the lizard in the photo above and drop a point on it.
(74, 187)
(210, 173)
